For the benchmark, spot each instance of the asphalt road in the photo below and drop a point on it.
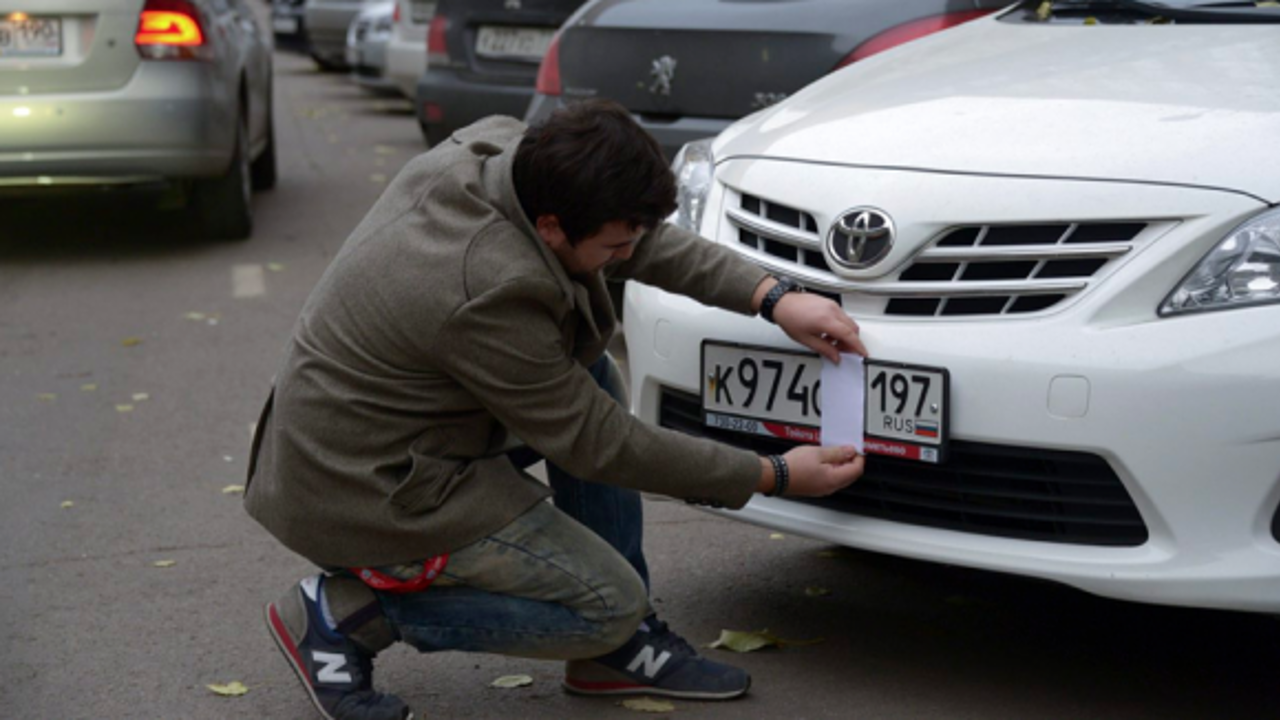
(134, 357)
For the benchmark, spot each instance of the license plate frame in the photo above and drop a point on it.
(721, 411)
(926, 435)
(15, 37)
(513, 42)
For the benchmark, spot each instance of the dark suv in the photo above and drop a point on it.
(482, 59)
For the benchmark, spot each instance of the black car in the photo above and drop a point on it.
(688, 68)
(482, 59)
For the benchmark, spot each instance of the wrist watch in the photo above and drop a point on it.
(784, 286)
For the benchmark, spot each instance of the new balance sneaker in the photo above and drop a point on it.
(656, 661)
(336, 673)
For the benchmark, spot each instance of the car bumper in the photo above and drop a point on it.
(1180, 411)
(172, 120)
(465, 101)
(406, 62)
(326, 29)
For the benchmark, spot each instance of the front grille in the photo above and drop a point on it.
(964, 271)
(984, 489)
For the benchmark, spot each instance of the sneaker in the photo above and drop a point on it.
(656, 661)
(336, 673)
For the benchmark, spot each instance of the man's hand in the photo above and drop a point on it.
(813, 321)
(815, 471)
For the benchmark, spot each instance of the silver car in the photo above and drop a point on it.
(127, 92)
(368, 40)
(326, 23)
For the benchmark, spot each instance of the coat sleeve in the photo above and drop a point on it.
(506, 348)
(685, 263)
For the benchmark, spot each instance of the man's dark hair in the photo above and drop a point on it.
(589, 164)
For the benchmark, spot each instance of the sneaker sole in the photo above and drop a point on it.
(598, 689)
(291, 655)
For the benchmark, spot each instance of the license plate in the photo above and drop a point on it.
(778, 393)
(513, 42)
(30, 37)
(285, 25)
(421, 11)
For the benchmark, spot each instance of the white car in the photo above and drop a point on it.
(368, 38)
(1059, 233)
(407, 49)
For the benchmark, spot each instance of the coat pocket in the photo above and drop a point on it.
(428, 484)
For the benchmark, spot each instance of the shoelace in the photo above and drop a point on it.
(662, 635)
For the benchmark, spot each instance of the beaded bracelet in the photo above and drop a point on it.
(781, 476)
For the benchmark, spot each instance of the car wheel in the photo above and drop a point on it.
(263, 171)
(223, 205)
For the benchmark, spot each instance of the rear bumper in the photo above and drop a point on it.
(465, 101)
(406, 62)
(671, 135)
(172, 120)
(327, 31)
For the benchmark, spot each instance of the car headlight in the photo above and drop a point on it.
(694, 168)
(1242, 270)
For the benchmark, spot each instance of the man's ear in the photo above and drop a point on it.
(548, 227)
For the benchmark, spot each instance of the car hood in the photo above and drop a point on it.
(1184, 104)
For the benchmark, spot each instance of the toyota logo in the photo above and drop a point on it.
(859, 238)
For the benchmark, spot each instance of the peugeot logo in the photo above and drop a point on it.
(663, 71)
(859, 238)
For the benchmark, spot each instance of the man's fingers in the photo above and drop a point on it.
(837, 454)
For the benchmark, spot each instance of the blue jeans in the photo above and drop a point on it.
(557, 583)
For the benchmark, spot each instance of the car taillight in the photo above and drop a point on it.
(437, 45)
(395, 14)
(170, 30)
(907, 32)
(549, 71)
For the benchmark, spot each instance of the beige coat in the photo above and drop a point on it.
(444, 324)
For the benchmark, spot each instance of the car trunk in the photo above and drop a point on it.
(67, 45)
(500, 40)
(703, 73)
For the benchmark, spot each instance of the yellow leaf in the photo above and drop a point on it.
(275, 267)
(66, 504)
(231, 689)
(139, 397)
(645, 704)
(124, 408)
(378, 178)
(817, 591)
(195, 316)
(131, 341)
(233, 490)
(88, 387)
(384, 150)
(1045, 10)
(1091, 21)
(47, 397)
(743, 641)
(164, 563)
(777, 536)
(512, 681)
(1267, 3)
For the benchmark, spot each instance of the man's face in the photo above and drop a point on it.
(614, 242)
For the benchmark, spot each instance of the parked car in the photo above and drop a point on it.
(688, 68)
(367, 41)
(288, 24)
(139, 92)
(1058, 230)
(327, 23)
(407, 51)
(482, 59)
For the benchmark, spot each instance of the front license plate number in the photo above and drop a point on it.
(778, 394)
(524, 43)
(30, 37)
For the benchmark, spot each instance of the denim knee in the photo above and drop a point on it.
(629, 608)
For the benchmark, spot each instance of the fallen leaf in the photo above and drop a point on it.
(212, 321)
(777, 536)
(384, 150)
(1267, 3)
(377, 178)
(227, 458)
(124, 408)
(828, 554)
(164, 564)
(512, 681)
(233, 490)
(231, 689)
(275, 267)
(66, 504)
(88, 387)
(139, 397)
(817, 591)
(1091, 21)
(743, 641)
(47, 397)
(645, 704)
(195, 316)
(131, 341)
(1045, 10)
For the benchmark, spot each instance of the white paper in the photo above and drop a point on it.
(842, 401)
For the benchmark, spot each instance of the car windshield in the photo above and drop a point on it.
(1172, 11)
